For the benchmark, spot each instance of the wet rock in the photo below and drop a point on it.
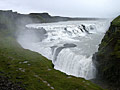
(68, 45)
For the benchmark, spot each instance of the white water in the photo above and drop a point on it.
(70, 45)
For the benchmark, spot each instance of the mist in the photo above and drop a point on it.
(71, 8)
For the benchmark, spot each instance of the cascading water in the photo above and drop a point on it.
(70, 45)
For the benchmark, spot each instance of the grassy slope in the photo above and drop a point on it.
(116, 21)
(37, 73)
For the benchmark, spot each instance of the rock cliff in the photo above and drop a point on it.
(107, 59)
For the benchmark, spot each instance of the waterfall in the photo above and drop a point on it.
(70, 45)
(76, 65)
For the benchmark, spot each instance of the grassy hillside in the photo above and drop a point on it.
(29, 69)
(116, 21)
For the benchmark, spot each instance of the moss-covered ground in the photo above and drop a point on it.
(116, 21)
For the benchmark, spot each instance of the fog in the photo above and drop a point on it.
(73, 8)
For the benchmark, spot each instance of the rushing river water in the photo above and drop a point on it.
(70, 45)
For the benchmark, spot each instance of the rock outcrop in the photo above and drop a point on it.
(107, 59)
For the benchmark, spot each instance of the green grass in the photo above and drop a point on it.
(116, 21)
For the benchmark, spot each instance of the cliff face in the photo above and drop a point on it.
(108, 56)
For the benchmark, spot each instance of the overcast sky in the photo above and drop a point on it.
(74, 8)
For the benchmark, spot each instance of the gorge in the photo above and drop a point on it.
(70, 45)
(36, 49)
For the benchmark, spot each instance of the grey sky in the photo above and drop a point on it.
(74, 8)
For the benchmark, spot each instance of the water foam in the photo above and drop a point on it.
(70, 45)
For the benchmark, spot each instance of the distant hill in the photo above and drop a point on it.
(41, 17)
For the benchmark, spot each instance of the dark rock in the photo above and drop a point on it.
(68, 45)
(107, 59)
(5, 84)
(84, 28)
(1, 72)
(19, 78)
(44, 15)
